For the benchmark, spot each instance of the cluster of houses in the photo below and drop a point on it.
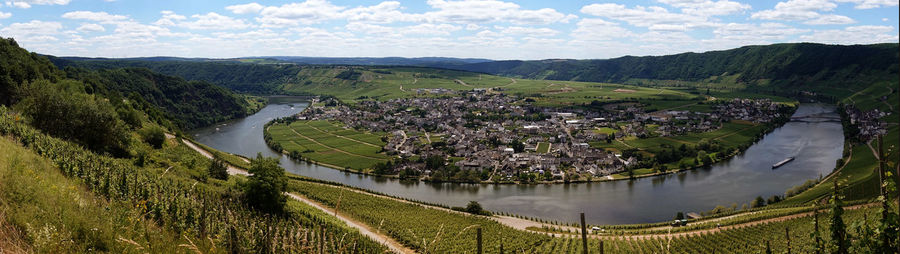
(868, 123)
(492, 132)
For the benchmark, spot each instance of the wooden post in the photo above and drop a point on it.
(787, 235)
(816, 227)
(478, 238)
(583, 235)
(601, 246)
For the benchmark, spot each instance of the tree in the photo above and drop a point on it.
(217, 168)
(61, 110)
(155, 136)
(758, 202)
(267, 182)
(839, 241)
(679, 216)
(475, 208)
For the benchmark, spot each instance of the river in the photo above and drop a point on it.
(817, 144)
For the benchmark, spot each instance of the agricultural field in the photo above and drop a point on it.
(731, 134)
(329, 143)
(383, 83)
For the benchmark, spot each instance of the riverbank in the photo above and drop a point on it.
(290, 141)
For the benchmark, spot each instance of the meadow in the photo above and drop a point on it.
(383, 83)
(329, 143)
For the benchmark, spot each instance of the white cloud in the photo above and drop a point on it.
(25, 4)
(384, 12)
(799, 10)
(245, 8)
(213, 21)
(22, 5)
(830, 19)
(594, 29)
(5, 15)
(169, 18)
(530, 31)
(101, 17)
(647, 16)
(33, 31)
(708, 7)
(489, 11)
(854, 35)
(765, 31)
(871, 4)
(308, 12)
(88, 28)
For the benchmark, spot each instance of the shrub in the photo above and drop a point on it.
(155, 136)
(267, 182)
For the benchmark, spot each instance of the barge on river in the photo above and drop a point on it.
(781, 163)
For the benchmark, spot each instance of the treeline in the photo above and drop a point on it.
(791, 63)
(169, 101)
(242, 77)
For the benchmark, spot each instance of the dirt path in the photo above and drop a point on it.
(334, 148)
(343, 137)
(461, 83)
(363, 228)
(232, 170)
(393, 245)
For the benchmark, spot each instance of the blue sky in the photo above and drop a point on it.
(449, 28)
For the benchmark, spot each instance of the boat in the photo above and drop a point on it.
(781, 163)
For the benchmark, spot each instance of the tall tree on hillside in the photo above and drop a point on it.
(267, 182)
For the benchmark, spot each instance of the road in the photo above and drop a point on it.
(393, 245)
(516, 223)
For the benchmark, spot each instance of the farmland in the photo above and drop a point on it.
(328, 143)
(383, 83)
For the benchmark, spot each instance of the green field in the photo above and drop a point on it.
(329, 143)
(385, 83)
(606, 130)
(543, 147)
(731, 134)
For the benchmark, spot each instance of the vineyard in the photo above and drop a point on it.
(327, 143)
(210, 218)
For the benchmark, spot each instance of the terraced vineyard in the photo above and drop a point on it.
(328, 143)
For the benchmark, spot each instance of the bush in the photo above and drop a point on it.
(267, 182)
(75, 116)
(218, 169)
(155, 136)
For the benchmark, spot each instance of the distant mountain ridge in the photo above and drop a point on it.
(793, 62)
(778, 65)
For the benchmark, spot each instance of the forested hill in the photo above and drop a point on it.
(188, 104)
(243, 77)
(783, 63)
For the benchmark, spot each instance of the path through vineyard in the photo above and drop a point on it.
(392, 244)
(519, 223)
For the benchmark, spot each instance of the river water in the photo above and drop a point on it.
(817, 144)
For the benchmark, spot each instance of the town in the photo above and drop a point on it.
(487, 136)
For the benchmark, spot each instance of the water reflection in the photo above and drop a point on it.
(816, 144)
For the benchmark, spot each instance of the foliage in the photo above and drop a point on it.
(217, 168)
(82, 118)
(155, 136)
(18, 66)
(211, 217)
(267, 182)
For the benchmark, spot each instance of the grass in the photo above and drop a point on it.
(731, 134)
(543, 147)
(327, 142)
(605, 130)
(52, 213)
(384, 83)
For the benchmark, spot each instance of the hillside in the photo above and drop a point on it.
(793, 63)
(187, 104)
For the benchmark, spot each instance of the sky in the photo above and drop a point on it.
(492, 29)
